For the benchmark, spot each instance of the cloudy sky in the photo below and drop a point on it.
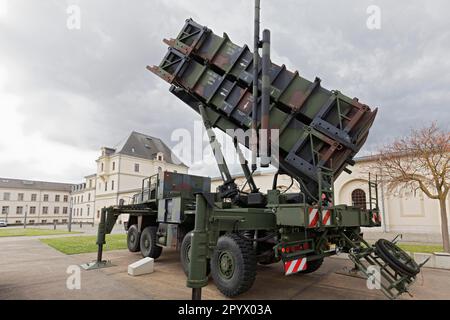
(66, 93)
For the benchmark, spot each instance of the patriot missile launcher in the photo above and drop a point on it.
(307, 132)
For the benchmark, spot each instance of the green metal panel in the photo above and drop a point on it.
(317, 127)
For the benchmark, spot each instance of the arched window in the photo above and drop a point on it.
(359, 199)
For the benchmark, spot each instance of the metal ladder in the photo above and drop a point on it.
(373, 193)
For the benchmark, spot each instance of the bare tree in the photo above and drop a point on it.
(421, 161)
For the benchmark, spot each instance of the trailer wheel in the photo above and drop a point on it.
(233, 265)
(133, 239)
(312, 266)
(396, 258)
(148, 243)
(185, 255)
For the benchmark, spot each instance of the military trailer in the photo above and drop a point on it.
(225, 234)
(162, 214)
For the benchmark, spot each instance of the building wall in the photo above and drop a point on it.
(83, 201)
(402, 210)
(41, 210)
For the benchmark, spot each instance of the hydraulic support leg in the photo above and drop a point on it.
(101, 241)
(198, 278)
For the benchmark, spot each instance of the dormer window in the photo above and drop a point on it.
(160, 156)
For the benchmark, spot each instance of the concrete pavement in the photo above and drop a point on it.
(30, 269)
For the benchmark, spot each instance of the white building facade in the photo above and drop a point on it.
(119, 175)
(34, 202)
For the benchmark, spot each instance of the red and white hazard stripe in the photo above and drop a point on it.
(314, 217)
(295, 266)
(376, 218)
(326, 217)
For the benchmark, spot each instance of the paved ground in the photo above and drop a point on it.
(32, 270)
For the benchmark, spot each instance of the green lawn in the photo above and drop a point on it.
(29, 232)
(82, 244)
(421, 248)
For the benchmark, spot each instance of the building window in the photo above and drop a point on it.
(102, 167)
(359, 199)
(82, 199)
(57, 198)
(136, 167)
(44, 210)
(45, 197)
(66, 198)
(31, 222)
(89, 197)
(19, 210)
(106, 186)
(5, 210)
(81, 212)
(20, 197)
(33, 197)
(64, 220)
(98, 214)
(78, 212)
(44, 221)
(65, 210)
(88, 211)
(18, 221)
(6, 196)
(56, 210)
(114, 166)
(32, 210)
(112, 185)
(55, 221)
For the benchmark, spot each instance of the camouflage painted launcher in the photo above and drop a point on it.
(317, 127)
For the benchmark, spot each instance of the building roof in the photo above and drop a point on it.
(147, 147)
(34, 185)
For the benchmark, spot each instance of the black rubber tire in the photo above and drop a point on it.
(148, 243)
(184, 255)
(410, 268)
(133, 239)
(312, 266)
(244, 265)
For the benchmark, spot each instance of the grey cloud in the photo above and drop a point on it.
(89, 88)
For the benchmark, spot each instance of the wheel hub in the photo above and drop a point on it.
(226, 265)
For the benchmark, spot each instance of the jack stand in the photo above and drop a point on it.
(99, 263)
(196, 294)
(101, 240)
